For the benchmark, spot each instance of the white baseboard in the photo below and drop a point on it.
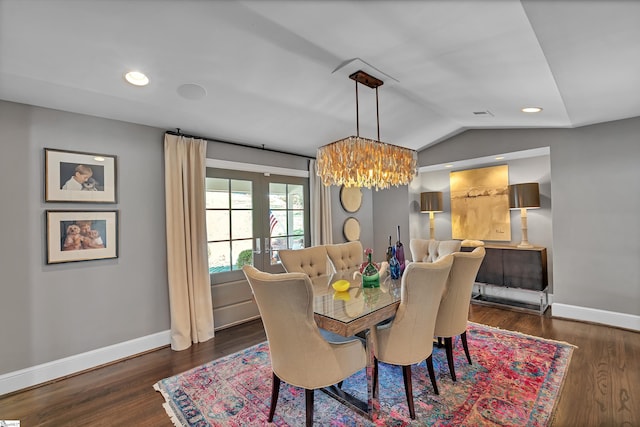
(38, 374)
(611, 318)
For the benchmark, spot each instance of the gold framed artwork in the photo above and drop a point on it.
(480, 204)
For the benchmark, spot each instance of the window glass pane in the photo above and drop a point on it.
(278, 223)
(296, 242)
(296, 196)
(276, 245)
(277, 196)
(217, 225)
(241, 194)
(241, 224)
(241, 251)
(219, 257)
(296, 222)
(217, 195)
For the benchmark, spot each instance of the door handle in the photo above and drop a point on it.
(257, 251)
(267, 245)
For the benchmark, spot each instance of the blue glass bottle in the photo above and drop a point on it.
(394, 265)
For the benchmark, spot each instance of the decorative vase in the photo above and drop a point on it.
(370, 274)
(394, 265)
(400, 253)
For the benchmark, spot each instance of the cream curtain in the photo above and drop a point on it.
(187, 262)
(320, 205)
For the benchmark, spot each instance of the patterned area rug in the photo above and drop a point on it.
(515, 380)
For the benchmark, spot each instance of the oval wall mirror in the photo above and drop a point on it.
(350, 198)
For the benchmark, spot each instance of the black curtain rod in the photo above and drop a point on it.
(238, 144)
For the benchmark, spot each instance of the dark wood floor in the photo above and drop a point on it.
(602, 386)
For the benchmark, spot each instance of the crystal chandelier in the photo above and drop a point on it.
(361, 162)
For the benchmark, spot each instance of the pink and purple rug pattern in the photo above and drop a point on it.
(515, 380)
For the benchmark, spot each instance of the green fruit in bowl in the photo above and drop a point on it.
(341, 285)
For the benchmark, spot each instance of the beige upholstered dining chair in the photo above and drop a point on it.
(407, 339)
(346, 256)
(454, 307)
(312, 261)
(423, 250)
(300, 356)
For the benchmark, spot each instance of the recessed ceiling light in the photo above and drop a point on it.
(531, 109)
(137, 78)
(499, 157)
(98, 159)
(448, 166)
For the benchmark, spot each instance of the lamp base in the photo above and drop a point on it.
(525, 245)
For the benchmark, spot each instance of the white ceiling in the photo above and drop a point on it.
(276, 72)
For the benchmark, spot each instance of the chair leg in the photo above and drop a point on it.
(406, 375)
(375, 377)
(432, 374)
(340, 384)
(275, 390)
(439, 345)
(448, 346)
(463, 336)
(308, 394)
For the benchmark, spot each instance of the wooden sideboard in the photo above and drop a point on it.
(512, 267)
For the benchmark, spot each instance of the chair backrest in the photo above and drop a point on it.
(454, 307)
(410, 335)
(299, 354)
(469, 243)
(345, 256)
(423, 250)
(312, 261)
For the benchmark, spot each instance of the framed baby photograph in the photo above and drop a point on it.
(72, 176)
(81, 235)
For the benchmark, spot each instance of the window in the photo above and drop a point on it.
(286, 218)
(229, 204)
(250, 217)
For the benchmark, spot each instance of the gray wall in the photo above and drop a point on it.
(390, 209)
(364, 215)
(534, 169)
(48, 312)
(242, 154)
(594, 180)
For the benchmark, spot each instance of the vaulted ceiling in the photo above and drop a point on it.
(276, 72)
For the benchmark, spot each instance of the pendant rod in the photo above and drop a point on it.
(377, 114)
(357, 112)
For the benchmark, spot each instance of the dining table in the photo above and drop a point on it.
(354, 312)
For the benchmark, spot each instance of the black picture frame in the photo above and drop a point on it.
(79, 177)
(81, 235)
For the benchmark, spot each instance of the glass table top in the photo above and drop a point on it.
(356, 302)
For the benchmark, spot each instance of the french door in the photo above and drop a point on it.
(250, 217)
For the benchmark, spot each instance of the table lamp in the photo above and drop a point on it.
(431, 201)
(524, 196)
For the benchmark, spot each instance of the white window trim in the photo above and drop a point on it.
(249, 167)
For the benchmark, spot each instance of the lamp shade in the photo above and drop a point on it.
(525, 195)
(431, 201)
